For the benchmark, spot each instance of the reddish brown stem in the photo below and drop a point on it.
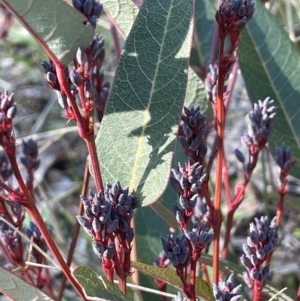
(84, 131)
(220, 120)
(37, 218)
(279, 209)
(298, 294)
(84, 191)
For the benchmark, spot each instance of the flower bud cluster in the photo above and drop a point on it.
(176, 250)
(260, 244)
(34, 233)
(226, 291)
(284, 159)
(90, 8)
(234, 16)
(86, 77)
(193, 128)
(30, 152)
(259, 130)
(10, 239)
(108, 214)
(199, 237)
(8, 110)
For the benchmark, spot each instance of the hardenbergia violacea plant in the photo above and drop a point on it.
(188, 112)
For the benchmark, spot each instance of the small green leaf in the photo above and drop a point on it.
(270, 64)
(122, 12)
(203, 290)
(98, 287)
(18, 290)
(57, 26)
(137, 137)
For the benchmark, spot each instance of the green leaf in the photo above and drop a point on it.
(270, 64)
(98, 287)
(203, 290)
(122, 12)
(137, 137)
(57, 26)
(205, 24)
(18, 290)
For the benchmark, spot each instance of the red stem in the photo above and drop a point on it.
(298, 294)
(220, 119)
(84, 191)
(84, 131)
(36, 216)
(282, 192)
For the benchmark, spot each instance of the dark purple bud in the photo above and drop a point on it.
(173, 259)
(218, 294)
(97, 10)
(35, 230)
(187, 131)
(247, 249)
(29, 233)
(46, 66)
(123, 225)
(98, 249)
(96, 225)
(176, 185)
(190, 236)
(247, 279)
(51, 77)
(112, 226)
(88, 212)
(250, 242)
(77, 4)
(76, 78)
(103, 218)
(84, 222)
(262, 236)
(184, 143)
(239, 155)
(271, 234)
(253, 259)
(246, 262)
(11, 112)
(89, 89)
(87, 7)
(254, 274)
(194, 145)
(187, 111)
(260, 253)
(130, 235)
(184, 203)
(237, 290)
(192, 121)
(254, 237)
(95, 209)
(184, 183)
(184, 256)
(81, 56)
(92, 21)
(265, 271)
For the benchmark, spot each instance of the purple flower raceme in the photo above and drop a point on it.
(260, 244)
(226, 291)
(108, 214)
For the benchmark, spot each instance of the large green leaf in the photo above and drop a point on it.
(122, 12)
(19, 290)
(203, 290)
(57, 26)
(205, 24)
(98, 287)
(270, 64)
(137, 137)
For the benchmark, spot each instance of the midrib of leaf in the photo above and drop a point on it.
(146, 113)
